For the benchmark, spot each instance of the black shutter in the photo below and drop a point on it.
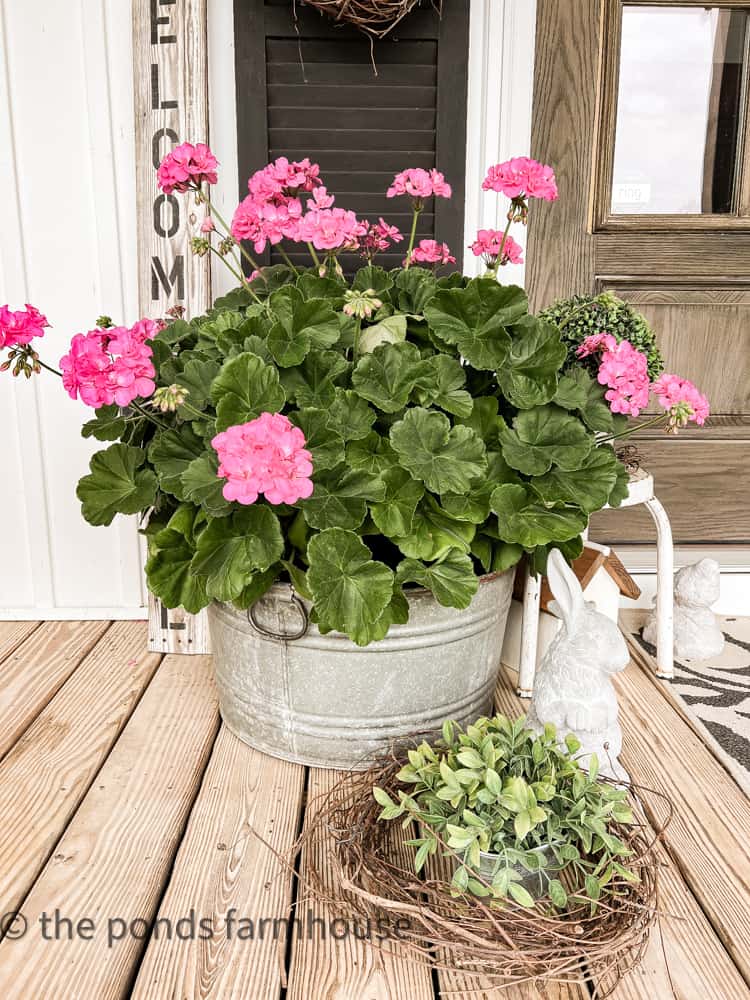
(307, 87)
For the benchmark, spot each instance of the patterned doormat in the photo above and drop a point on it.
(715, 693)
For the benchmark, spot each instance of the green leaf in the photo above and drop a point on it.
(484, 420)
(529, 375)
(382, 797)
(202, 485)
(593, 888)
(475, 320)
(373, 454)
(523, 520)
(521, 895)
(434, 532)
(339, 497)
(312, 382)
(257, 585)
(545, 436)
(391, 330)
(522, 824)
(387, 376)
(557, 893)
(324, 443)
(197, 377)
(231, 549)
(588, 487)
(350, 588)
(414, 288)
(350, 416)
(372, 277)
(442, 384)
(577, 390)
(108, 424)
(446, 459)
(312, 286)
(301, 324)
(170, 453)
(452, 579)
(244, 388)
(395, 514)
(117, 484)
(168, 566)
(621, 488)
(474, 505)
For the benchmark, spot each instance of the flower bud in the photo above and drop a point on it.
(169, 397)
(104, 322)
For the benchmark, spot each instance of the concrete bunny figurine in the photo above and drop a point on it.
(572, 688)
(697, 635)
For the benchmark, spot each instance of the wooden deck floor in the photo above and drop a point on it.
(127, 812)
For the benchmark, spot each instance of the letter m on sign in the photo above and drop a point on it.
(161, 282)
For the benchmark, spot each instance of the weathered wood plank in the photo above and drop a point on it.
(112, 863)
(223, 868)
(684, 958)
(708, 836)
(47, 773)
(346, 969)
(37, 669)
(12, 634)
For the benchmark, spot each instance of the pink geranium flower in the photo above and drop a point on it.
(623, 369)
(378, 238)
(331, 229)
(596, 342)
(187, 166)
(431, 252)
(20, 326)
(266, 455)
(488, 243)
(419, 184)
(522, 176)
(111, 366)
(682, 400)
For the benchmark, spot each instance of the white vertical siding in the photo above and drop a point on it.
(68, 246)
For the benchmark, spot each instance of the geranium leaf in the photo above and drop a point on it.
(620, 489)
(373, 277)
(170, 453)
(577, 390)
(529, 375)
(288, 347)
(324, 443)
(312, 286)
(543, 436)
(588, 487)
(257, 586)
(197, 377)
(168, 567)
(394, 516)
(108, 424)
(117, 484)
(339, 497)
(451, 579)
(484, 419)
(373, 453)
(434, 532)
(414, 289)
(475, 319)
(446, 459)
(474, 504)
(231, 548)
(202, 486)
(442, 383)
(396, 613)
(312, 318)
(391, 330)
(350, 588)
(387, 376)
(525, 521)
(350, 416)
(244, 388)
(312, 382)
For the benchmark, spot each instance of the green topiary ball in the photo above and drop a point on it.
(581, 315)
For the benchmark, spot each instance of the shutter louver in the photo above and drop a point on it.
(323, 100)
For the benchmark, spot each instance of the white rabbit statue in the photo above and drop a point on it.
(697, 634)
(572, 688)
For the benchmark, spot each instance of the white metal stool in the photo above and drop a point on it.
(640, 490)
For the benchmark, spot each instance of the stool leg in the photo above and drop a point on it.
(664, 591)
(529, 634)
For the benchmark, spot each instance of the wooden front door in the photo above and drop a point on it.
(643, 111)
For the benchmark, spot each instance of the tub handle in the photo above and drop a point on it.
(269, 633)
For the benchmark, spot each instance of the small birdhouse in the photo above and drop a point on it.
(603, 579)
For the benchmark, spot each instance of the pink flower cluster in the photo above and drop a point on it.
(419, 183)
(623, 369)
(682, 399)
(378, 238)
(331, 228)
(111, 366)
(431, 252)
(21, 326)
(522, 176)
(266, 455)
(187, 166)
(488, 243)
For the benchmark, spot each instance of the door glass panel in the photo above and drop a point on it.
(679, 110)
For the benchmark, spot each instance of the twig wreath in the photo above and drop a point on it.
(374, 17)
(461, 933)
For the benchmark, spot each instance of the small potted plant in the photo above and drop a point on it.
(515, 810)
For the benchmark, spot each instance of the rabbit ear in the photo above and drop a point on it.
(565, 588)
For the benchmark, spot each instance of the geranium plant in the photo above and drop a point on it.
(498, 788)
(354, 436)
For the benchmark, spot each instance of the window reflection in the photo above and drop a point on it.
(679, 110)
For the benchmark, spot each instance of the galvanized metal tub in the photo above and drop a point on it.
(322, 700)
